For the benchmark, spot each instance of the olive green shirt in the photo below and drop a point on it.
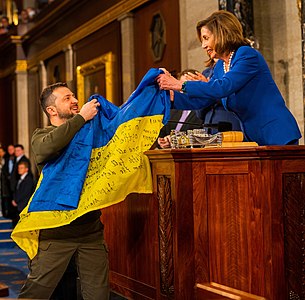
(48, 143)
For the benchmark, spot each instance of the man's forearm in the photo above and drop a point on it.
(48, 143)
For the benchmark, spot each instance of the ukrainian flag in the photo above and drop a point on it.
(102, 164)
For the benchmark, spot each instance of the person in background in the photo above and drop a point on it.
(82, 239)
(24, 189)
(176, 116)
(11, 158)
(25, 23)
(241, 79)
(5, 26)
(215, 113)
(2, 158)
(2, 162)
(31, 13)
(24, 17)
(19, 157)
(8, 211)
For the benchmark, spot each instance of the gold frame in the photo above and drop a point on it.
(107, 61)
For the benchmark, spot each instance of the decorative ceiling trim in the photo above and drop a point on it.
(21, 66)
(87, 28)
(7, 71)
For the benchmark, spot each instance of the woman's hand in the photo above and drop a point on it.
(164, 142)
(168, 82)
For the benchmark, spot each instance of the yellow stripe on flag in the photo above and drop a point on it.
(115, 170)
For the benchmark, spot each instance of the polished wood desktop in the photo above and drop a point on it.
(3, 290)
(222, 223)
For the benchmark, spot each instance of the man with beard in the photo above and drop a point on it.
(82, 240)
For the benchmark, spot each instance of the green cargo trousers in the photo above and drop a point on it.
(52, 259)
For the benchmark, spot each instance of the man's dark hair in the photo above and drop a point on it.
(5, 18)
(187, 71)
(25, 163)
(19, 146)
(47, 98)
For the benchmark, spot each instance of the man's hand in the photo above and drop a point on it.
(14, 203)
(195, 77)
(164, 142)
(89, 110)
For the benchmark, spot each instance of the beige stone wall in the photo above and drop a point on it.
(278, 29)
(192, 11)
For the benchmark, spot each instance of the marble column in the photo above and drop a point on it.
(128, 71)
(69, 65)
(192, 55)
(43, 82)
(22, 105)
(278, 28)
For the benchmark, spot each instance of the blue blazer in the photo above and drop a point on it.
(249, 91)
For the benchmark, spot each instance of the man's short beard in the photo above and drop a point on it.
(65, 116)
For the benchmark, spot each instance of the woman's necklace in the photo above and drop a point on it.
(225, 69)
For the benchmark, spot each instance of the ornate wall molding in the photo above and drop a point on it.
(104, 62)
(88, 28)
(294, 230)
(165, 235)
(157, 37)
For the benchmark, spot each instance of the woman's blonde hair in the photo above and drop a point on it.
(226, 29)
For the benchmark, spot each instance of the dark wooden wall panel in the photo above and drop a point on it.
(226, 223)
(7, 131)
(142, 23)
(53, 26)
(35, 111)
(105, 40)
(294, 230)
(129, 240)
(228, 220)
(56, 68)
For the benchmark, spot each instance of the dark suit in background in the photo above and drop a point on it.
(8, 210)
(15, 176)
(24, 190)
(175, 116)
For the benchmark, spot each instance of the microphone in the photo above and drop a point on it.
(220, 126)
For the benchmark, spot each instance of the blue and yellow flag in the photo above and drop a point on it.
(102, 164)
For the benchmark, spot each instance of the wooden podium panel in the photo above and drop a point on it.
(222, 223)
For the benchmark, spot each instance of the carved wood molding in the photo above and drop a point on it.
(165, 235)
(88, 28)
(105, 61)
(294, 230)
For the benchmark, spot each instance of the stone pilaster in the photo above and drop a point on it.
(43, 81)
(192, 55)
(128, 71)
(22, 105)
